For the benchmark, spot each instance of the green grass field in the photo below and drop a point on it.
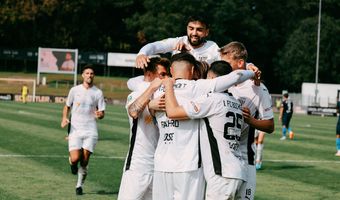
(34, 157)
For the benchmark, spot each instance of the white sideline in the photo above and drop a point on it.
(55, 156)
(118, 157)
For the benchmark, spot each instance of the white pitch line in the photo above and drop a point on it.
(304, 161)
(118, 157)
(55, 156)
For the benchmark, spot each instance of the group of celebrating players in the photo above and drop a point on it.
(192, 121)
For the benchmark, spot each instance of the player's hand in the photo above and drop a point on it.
(180, 46)
(168, 82)
(156, 83)
(142, 61)
(99, 114)
(64, 122)
(257, 78)
(246, 115)
(157, 104)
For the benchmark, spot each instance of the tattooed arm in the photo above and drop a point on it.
(138, 106)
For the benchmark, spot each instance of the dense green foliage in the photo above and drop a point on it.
(34, 157)
(279, 35)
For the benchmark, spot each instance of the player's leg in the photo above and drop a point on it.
(247, 189)
(259, 149)
(135, 185)
(284, 127)
(189, 185)
(337, 140)
(89, 143)
(219, 187)
(163, 185)
(74, 146)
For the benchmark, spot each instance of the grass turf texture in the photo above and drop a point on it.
(34, 163)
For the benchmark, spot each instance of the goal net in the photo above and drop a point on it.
(14, 85)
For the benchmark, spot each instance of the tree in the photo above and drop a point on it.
(296, 61)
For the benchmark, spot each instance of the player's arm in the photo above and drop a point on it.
(65, 121)
(235, 77)
(133, 83)
(281, 112)
(265, 125)
(173, 110)
(153, 48)
(138, 106)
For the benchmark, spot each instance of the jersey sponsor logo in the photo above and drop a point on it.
(179, 85)
(169, 123)
(168, 138)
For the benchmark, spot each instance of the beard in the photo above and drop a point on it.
(197, 41)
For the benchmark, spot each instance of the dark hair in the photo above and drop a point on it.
(202, 70)
(286, 95)
(220, 68)
(199, 18)
(89, 66)
(184, 56)
(154, 61)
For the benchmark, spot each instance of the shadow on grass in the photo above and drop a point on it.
(284, 167)
(103, 192)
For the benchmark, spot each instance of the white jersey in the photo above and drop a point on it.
(258, 100)
(84, 103)
(177, 149)
(143, 137)
(209, 52)
(220, 134)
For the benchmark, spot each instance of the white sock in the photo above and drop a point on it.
(82, 173)
(259, 150)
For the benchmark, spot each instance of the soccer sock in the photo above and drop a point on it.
(337, 143)
(259, 150)
(289, 130)
(284, 130)
(82, 173)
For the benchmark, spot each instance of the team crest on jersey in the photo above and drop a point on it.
(196, 108)
(129, 98)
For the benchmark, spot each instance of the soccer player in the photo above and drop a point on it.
(286, 113)
(257, 112)
(259, 141)
(136, 182)
(24, 93)
(194, 42)
(337, 140)
(86, 103)
(220, 133)
(178, 168)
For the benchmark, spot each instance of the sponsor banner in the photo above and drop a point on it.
(317, 110)
(51, 99)
(6, 97)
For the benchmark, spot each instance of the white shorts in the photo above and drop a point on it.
(247, 190)
(219, 187)
(135, 186)
(82, 140)
(179, 185)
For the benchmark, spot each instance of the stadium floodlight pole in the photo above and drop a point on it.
(317, 56)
